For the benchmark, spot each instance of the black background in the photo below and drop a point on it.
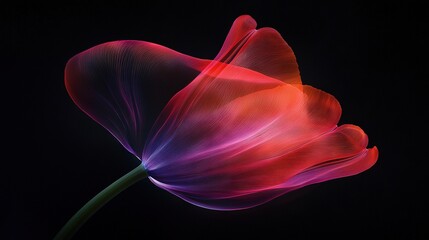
(370, 56)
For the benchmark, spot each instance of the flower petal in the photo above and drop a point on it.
(241, 28)
(116, 83)
(211, 138)
(263, 50)
(339, 153)
(334, 148)
(354, 165)
(335, 169)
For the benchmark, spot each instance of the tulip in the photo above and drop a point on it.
(231, 133)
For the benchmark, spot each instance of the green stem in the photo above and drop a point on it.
(99, 200)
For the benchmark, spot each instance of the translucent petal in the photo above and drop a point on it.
(123, 85)
(263, 50)
(232, 133)
(240, 169)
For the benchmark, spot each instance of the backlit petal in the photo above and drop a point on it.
(123, 85)
(263, 50)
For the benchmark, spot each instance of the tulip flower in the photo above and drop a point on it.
(231, 133)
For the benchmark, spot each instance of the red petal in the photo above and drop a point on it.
(242, 27)
(337, 169)
(263, 51)
(266, 52)
(218, 135)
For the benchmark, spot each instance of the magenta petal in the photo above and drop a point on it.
(124, 85)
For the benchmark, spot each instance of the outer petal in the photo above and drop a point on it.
(235, 137)
(116, 82)
(123, 84)
(351, 166)
(262, 50)
(227, 165)
(241, 28)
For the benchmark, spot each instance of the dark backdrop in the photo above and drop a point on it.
(370, 56)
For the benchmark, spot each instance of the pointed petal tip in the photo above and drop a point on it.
(246, 20)
(366, 161)
(374, 152)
